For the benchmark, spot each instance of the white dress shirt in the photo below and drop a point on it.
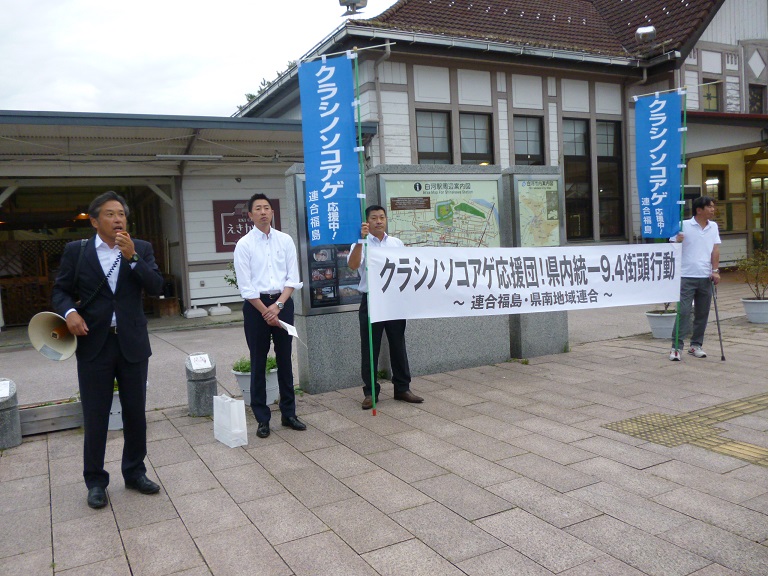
(266, 263)
(386, 242)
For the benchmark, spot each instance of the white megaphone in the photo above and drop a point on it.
(50, 336)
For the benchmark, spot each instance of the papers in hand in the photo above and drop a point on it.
(291, 330)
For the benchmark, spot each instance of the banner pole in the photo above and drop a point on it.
(361, 163)
(682, 197)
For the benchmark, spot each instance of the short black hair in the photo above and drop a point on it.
(700, 203)
(372, 208)
(258, 196)
(101, 199)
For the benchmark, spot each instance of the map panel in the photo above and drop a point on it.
(444, 212)
(539, 209)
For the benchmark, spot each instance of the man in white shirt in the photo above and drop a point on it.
(698, 271)
(267, 274)
(375, 231)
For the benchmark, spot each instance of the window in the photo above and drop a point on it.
(710, 96)
(715, 181)
(578, 183)
(610, 188)
(433, 137)
(476, 147)
(529, 145)
(756, 99)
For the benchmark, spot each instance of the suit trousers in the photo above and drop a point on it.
(398, 356)
(258, 334)
(96, 380)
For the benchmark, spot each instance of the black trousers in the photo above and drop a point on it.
(398, 357)
(96, 379)
(258, 334)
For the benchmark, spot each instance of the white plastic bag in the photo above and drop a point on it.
(229, 421)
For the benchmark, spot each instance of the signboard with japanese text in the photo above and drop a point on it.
(428, 282)
(455, 210)
(538, 209)
(231, 222)
(330, 159)
(658, 143)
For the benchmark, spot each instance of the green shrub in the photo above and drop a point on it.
(243, 364)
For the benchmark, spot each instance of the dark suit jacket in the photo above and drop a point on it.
(126, 301)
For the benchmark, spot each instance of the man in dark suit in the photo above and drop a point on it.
(101, 299)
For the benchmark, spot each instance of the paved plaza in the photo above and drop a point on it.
(608, 460)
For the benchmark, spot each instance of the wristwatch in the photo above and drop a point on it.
(135, 257)
(280, 305)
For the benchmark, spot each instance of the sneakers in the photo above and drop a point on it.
(674, 354)
(697, 352)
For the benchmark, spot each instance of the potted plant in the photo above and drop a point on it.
(755, 270)
(662, 321)
(242, 371)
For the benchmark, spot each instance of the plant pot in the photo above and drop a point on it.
(662, 324)
(273, 389)
(244, 382)
(115, 413)
(756, 310)
(50, 417)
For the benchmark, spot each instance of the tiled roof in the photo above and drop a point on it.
(604, 27)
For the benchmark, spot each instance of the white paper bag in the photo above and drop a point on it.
(229, 421)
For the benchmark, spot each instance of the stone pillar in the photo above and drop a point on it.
(201, 384)
(10, 424)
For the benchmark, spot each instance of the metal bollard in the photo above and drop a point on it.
(201, 383)
(10, 423)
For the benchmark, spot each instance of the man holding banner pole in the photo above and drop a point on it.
(374, 231)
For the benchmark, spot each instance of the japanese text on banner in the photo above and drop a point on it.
(331, 165)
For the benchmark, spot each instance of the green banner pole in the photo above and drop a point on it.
(682, 199)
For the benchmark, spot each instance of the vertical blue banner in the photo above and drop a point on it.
(330, 161)
(658, 163)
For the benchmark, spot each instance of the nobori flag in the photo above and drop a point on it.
(658, 163)
(330, 160)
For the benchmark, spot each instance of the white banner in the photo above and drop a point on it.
(446, 282)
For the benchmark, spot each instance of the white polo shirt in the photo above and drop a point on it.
(698, 244)
(387, 242)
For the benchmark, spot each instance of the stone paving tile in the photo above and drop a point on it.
(280, 457)
(170, 451)
(723, 514)
(387, 492)
(423, 444)
(475, 469)
(314, 487)
(483, 446)
(434, 425)
(25, 531)
(720, 546)
(249, 482)
(323, 555)
(381, 424)
(759, 504)
(502, 562)
(86, 540)
(160, 430)
(602, 566)
(600, 401)
(554, 430)
(629, 507)
(641, 482)
(309, 439)
(37, 562)
(556, 476)
(362, 440)
(750, 473)
(241, 551)
(596, 427)
(186, 478)
(543, 502)
(447, 533)
(341, 462)
(218, 456)
(363, 527)
(117, 566)
(649, 554)
(503, 396)
(714, 570)
(24, 494)
(328, 421)
(133, 509)
(406, 465)
(613, 450)
(65, 444)
(200, 432)
(559, 400)
(68, 502)
(295, 520)
(14, 466)
(462, 497)
(554, 549)
(493, 428)
(413, 558)
(209, 512)
(552, 449)
(502, 412)
(755, 421)
(460, 397)
(161, 548)
(707, 481)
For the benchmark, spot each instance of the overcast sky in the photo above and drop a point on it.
(187, 57)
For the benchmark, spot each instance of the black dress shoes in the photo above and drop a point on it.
(143, 485)
(408, 396)
(97, 497)
(293, 422)
(263, 430)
